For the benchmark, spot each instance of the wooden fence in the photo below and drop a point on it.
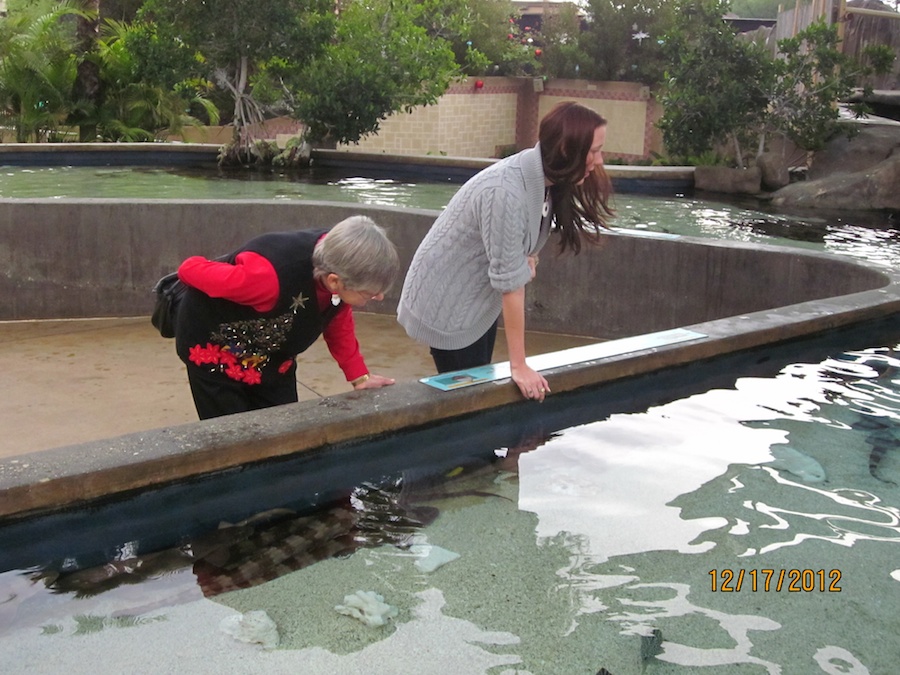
(864, 23)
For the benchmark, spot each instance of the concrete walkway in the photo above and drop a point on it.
(70, 381)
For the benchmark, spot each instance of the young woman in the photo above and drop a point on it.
(476, 260)
(243, 321)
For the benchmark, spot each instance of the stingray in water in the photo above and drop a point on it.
(880, 436)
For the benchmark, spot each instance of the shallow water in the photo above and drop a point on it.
(617, 543)
(614, 544)
(164, 183)
(873, 236)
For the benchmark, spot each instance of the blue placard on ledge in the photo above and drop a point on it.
(499, 371)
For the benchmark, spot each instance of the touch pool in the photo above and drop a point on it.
(603, 533)
(589, 541)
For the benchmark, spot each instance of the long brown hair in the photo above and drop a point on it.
(566, 135)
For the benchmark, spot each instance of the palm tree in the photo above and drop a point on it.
(87, 81)
(37, 72)
(129, 107)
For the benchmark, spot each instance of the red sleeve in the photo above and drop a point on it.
(340, 336)
(251, 280)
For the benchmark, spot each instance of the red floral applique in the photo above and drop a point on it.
(242, 348)
(235, 372)
(209, 354)
(227, 358)
(247, 372)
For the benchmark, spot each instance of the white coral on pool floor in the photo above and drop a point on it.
(254, 627)
(368, 607)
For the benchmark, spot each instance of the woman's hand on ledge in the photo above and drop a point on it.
(375, 382)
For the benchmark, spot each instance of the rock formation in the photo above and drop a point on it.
(862, 173)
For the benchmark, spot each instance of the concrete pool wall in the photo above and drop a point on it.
(88, 258)
(77, 258)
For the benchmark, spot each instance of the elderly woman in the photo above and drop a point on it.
(246, 317)
(474, 263)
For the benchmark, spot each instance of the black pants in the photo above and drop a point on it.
(479, 353)
(216, 395)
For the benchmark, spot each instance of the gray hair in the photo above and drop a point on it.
(360, 253)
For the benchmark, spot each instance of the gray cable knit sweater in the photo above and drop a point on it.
(476, 250)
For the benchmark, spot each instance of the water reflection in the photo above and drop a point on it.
(590, 548)
(652, 503)
(672, 601)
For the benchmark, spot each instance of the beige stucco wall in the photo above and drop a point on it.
(625, 134)
(503, 113)
(463, 123)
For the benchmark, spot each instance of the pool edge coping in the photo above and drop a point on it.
(74, 475)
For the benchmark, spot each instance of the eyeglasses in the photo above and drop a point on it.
(368, 295)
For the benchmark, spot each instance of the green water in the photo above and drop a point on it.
(163, 183)
(873, 237)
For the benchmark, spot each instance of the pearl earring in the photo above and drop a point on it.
(335, 299)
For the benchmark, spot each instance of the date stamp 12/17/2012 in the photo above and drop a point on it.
(775, 580)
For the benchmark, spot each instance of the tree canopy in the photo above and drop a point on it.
(343, 68)
(37, 72)
(378, 62)
(624, 39)
(715, 86)
(721, 90)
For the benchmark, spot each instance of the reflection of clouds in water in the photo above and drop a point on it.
(849, 428)
(842, 528)
(838, 661)
(638, 615)
(375, 192)
(612, 483)
(187, 638)
(713, 472)
(875, 245)
(601, 479)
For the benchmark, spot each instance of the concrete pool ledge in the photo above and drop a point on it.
(203, 155)
(76, 475)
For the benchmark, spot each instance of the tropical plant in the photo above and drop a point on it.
(233, 39)
(812, 75)
(756, 9)
(561, 52)
(31, 7)
(723, 91)
(87, 78)
(522, 55)
(133, 107)
(37, 72)
(120, 10)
